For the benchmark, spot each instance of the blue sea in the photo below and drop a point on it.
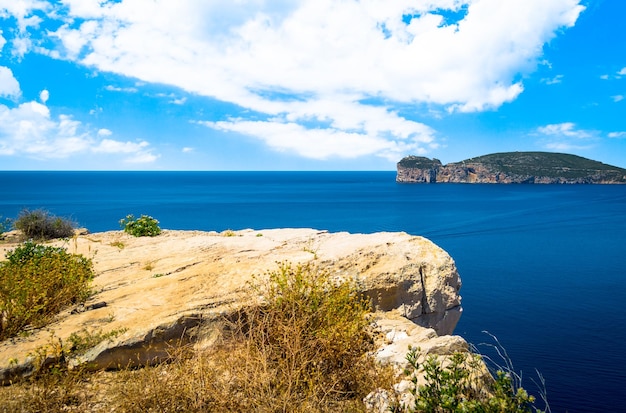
(543, 266)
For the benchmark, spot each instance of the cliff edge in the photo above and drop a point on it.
(510, 168)
(178, 287)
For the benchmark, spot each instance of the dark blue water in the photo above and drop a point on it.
(543, 267)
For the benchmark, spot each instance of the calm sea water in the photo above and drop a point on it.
(543, 267)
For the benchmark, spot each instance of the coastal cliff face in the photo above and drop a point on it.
(178, 287)
(510, 168)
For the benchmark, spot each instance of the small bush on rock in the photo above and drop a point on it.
(460, 384)
(144, 226)
(41, 225)
(37, 282)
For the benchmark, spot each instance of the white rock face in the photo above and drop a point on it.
(178, 286)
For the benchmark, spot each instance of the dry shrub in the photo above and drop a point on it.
(305, 349)
(50, 387)
(41, 225)
(37, 282)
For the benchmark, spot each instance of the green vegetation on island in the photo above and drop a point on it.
(511, 167)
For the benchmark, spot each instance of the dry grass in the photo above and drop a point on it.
(303, 349)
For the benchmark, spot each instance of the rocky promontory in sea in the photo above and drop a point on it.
(511, 168)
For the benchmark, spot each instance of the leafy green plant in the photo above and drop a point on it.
(459, 384)
(41, 225)
(36, 282)
(144, 226)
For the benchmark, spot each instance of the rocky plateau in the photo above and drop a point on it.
(178, 287)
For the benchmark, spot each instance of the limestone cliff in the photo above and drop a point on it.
(511, 167)
(179, 286)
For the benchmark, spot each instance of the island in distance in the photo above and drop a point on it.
(511, 168)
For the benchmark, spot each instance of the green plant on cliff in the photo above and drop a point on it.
(460, 384)
(36, 282)
(144, 226)
(41, 225)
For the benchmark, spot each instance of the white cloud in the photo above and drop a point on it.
(188, 149)
(285, 58)
(622, 72)
(553, 81)
(22, 11)
(566, 136)
(564, 146)
(9, 86)
(44, 95)
(180, 101)
(617, 98)
(29, 130)
(336, 128)
(104, 132)
(617, 135)
(112, 88)
(567, 129)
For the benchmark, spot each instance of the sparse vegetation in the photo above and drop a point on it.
(306, 347)
(547, 164)
(302, 350)
(41, 225)
(460, 383)
(36, 282)
(119, 244)
(144, 226)
(80, 342)
(522, 166)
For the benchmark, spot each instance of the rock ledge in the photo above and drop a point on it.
(178, 286)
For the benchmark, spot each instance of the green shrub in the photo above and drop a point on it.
(41, 225)
(144, 226)
(37, 282)
(459, 384)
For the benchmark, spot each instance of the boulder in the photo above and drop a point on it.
(177, 287)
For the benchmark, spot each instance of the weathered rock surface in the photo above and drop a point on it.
(179, 285)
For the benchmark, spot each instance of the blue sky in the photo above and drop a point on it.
(306, 84)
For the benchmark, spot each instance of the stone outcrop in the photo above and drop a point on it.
(510, 168)
(178, 287)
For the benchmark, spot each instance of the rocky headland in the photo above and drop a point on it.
(509, 168)
(178, 287)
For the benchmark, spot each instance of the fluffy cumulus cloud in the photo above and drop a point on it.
(285, 61)
(29, 130)
(9, 86)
